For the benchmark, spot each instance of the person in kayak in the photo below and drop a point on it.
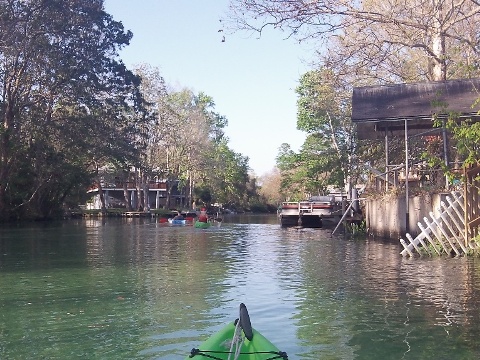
(179, 216)
(203, 217)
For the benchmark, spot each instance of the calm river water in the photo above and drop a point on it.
(138, 289)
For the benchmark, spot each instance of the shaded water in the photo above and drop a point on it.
(138, 289)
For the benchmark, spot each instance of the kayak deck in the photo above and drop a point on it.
(202, 225)
(251, 345)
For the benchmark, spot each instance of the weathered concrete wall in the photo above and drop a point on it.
(386, 217)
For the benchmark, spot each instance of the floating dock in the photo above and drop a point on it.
(320, 211)
(312, 213)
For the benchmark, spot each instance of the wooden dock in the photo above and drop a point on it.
(132, 214)
(129, 214)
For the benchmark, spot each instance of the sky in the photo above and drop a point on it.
(252, 80)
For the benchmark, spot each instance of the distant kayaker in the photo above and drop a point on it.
(203, 217)
(179, 216)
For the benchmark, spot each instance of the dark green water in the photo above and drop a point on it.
(138, 289)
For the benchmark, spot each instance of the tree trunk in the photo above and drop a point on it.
(191, 201)
(3, 205)
(146, 200)
(102, 197)
(169, 194)
(126, 196)
(188, 192)
(439, 65)
(5, 157)
(138, 189)
(4, 175)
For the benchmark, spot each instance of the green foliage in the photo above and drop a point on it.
(71, 109)
(66, 102)
(203, 194)
(466, 135)
(261, 207)
(327, 153)
(230, 177)
(474, 248)
(463, 144)
(357, 228)
(292, 175)
(187, 143)
(215, 121)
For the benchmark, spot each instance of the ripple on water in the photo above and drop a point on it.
(138, 289)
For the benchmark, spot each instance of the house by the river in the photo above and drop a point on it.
(156, 193)
(406, 111)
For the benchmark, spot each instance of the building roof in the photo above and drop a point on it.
(376, 109)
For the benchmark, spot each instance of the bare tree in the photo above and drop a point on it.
(270, 187)
(179, 138)
(374, 36)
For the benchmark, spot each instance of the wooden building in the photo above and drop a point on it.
(408, 110)
(156, 193)
(384, 110)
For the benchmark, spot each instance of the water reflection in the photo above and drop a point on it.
(138, 289)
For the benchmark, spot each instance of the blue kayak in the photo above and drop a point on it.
(177, 221)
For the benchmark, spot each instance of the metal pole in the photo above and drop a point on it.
(345, 214)
(445, 150)
(407, 228)
(465, 205)
(386, 159)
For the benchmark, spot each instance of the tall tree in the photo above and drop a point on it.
(270, 188)
(154, 91)
(292, 176)
(63, 97)
(230, 176)
(327, 155)
(181, 136)
(187, 144)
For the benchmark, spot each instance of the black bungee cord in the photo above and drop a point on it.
(278, 354)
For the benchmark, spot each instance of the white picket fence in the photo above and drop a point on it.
(445, 232)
